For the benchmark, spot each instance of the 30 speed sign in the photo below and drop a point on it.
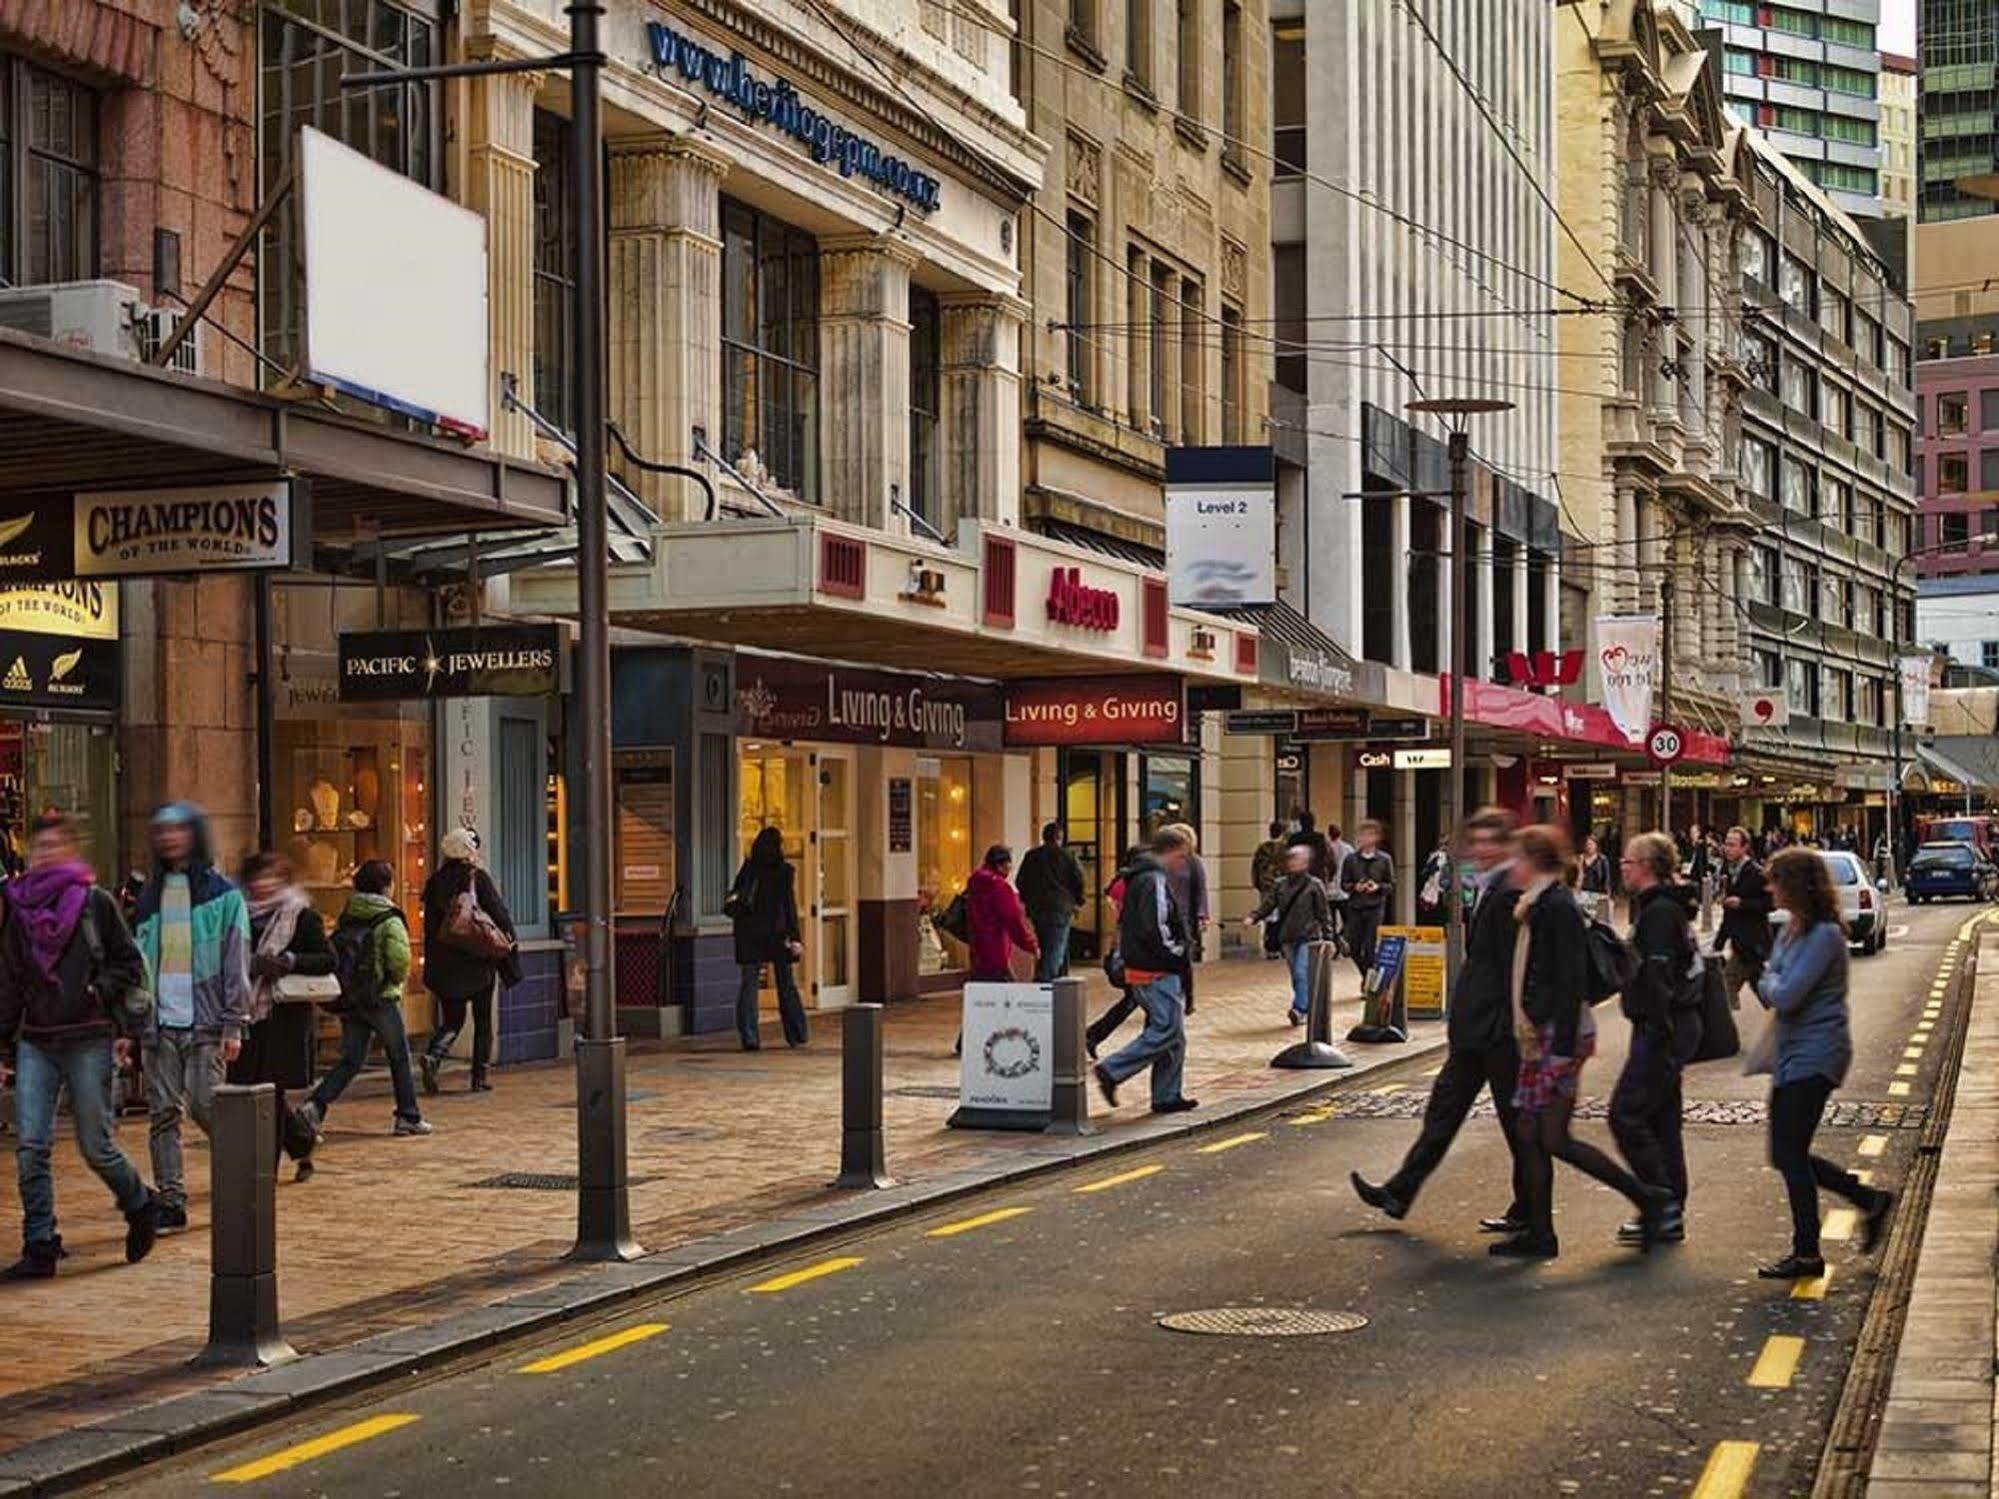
(1665, 744)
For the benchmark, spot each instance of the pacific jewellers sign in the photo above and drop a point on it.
(779, 104)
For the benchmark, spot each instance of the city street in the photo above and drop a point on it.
(1011, 1344)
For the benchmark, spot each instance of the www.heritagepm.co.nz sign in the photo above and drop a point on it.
(779, 104)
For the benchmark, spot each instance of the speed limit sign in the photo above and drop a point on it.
(1665, 744)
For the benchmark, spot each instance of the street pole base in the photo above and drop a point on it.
(1378, 1035)
(1311, 1055)
(603, 1196)
(862, 1181)
(243, 1325)
(603, 1228)
(863, 1161)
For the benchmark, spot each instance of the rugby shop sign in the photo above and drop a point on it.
(136, 533)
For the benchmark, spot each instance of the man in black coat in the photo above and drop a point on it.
(1051, 887)
(1745, 916)
(1482, 1052)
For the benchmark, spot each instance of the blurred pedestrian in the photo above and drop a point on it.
(1297, 909)
(1051, 888)
(1338, 851)
(1188, 881)
(288, 946)
(1745, 916)
(1645, 1106)
(1154, 940)
(71, 980)
(1595, 873)
(1125, 1005)
(194, 931)
(1804, 985)
(1266, 867)
(762, 906)
(1368, 878)
(1308, 834)
(469, 956)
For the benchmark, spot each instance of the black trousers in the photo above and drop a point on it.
(1121, 1009)
(451, 1021)
(1795, 1110)
(1452, 1093)
(1645, 1117)
(1363, 926)
(1545, 1138)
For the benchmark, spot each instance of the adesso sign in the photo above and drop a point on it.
(778, 103)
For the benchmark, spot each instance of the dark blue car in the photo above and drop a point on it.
(1949, 869)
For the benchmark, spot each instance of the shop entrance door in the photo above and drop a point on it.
(832, 956)
(774, 794)
(1092, 825)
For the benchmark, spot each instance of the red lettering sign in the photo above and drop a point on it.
(1096, 710)
(1071, 601)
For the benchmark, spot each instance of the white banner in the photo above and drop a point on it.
(1915, 691)
(1008, 1066)
(1768, 709)
(1221, 543)
(1627, 661)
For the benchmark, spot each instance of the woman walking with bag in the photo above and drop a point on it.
(291, 967)
(763, 906)
(1557, 1034)
(468, 947)
(1804, 985)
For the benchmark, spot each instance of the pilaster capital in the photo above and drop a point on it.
(1001, 305)
(666, 182)
(864, 246)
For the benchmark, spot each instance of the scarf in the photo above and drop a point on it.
(275, 921)
(1524, 1028)
(49, 902)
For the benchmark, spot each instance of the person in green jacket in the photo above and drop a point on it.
(371, 947)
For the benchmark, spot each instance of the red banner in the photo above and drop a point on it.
(1096, 710)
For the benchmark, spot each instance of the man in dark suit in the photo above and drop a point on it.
(1745, 916)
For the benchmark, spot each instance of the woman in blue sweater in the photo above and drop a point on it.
(1804, 985)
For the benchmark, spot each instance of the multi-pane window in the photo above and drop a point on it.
(1162, 299)
(1193, 341)
(1757, 458)
(1856, 34)
(1233, 82)
(1953, 528)
(1287, 99)
(48, 176)
(1763, 575)
(1800, 585)
(1188, 15)
(1855, 132)
(1953, 473)
(1988, 410)
(1796, 22)
(1769, 669)
(1844, 177)
(1801, 682)
(1080, 276)
(1953, 413)
(1758, 255)
(1795, 284)
(1988, 469)
(926, 400)
(1800, 387)
(1800, 484)
(304, 48)
(1836, 408)
(1839, 80)
(554, 272)
(1083, 22)
(1760, 355)
(1234, 395)
(770, 347)
(1833, 312)
(1988, 654)
(1138, 42)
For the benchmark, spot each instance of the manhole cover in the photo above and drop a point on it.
(539, 1181)
(923, 1090)
(1263, 1322)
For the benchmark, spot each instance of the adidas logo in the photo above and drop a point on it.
(17, 678)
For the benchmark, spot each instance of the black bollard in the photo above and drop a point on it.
(863, 1148)
(1317, 1049)
(243, 1235)
(1070, 1090)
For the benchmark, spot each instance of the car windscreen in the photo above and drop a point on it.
(1954, 832)
(1844, 871)
(1942, 858)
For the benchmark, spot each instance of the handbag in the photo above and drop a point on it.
(1719, 1039)
(1760, 1056)
(471, 930)
(305, 988)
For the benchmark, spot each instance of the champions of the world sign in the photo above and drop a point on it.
(133, 533)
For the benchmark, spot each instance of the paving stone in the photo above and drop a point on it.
(74, 1456)
(1964, 1466)
(1936, 1436)
(189, 1418)
(324, 1373)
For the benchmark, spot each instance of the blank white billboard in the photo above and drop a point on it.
(395, 289)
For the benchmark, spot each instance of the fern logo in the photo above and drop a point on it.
(64, 664)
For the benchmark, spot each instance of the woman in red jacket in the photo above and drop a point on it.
(994, 918)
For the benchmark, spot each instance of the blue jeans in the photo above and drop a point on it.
(41, 1071)
(1162, 1045)
(1053, 935)
(358, 1030)
(1299, 956)
(790, 1006)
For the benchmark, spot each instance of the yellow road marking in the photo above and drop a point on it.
(1230, 1144)
(1813, 1289)
(1874, 1145)
(1898, 1090)
(1120, 1179)
(1777, 1363)
(1907, 1069)
(966, 1225)
(1304, 1119)
(1727, 1472)
(1865, 1178)
(1912, 1053)
(1839, 1225)
(305, 1452)
(583, 1351)
(810, 1272)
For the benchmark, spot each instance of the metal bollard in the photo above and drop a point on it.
(863, 1148)
(1317, 1049)
(1069, 1094)
(603, 1181)
(243, 1236)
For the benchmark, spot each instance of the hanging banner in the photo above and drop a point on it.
(1221, 526)
(1768, 709)
(1915, 690)
(1627, 659)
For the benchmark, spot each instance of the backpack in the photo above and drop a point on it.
(355, 963)
(1610, 964)
(955, 920)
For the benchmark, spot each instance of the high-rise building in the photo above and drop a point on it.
(1958, 44)
(1898, 139)
(1807, 74)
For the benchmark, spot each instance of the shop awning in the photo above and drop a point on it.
(1554, 721)
(1970, 760)
(73, 420)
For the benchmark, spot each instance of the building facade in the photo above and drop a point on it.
(1957, 42)
(1957, 465)
(1900, 143)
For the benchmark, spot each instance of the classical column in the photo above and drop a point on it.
(666, 350)
(1626, 555)
(499, 185)
(864, 377)
(981, 339)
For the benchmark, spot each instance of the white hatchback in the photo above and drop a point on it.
(1864, 908)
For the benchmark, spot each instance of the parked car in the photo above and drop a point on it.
(1950, 869)
(1863, 907)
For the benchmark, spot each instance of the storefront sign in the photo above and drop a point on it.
(468, 767)
(1915, 673)
(1320, 672)
(55, 671)
(133, 533)
(1071, 601)
(1221, 526)
(1589, 772)
(1006, 1079)
(1644, 778)
(1214, 697)
(1422, 969)
(77, 610)
(1352, 723)
(1374, 760)
(780, 698)
(472, 661)
(778, 104)
(1281, 722)
(1423, 759)
(901, 815)
(1095, 710)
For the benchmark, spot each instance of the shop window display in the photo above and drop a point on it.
(944, 854)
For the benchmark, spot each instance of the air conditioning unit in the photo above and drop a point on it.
(104, 317)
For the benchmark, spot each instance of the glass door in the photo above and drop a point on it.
(773, 794)
(831, 958)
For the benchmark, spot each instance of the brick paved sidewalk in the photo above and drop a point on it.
(394, 1233)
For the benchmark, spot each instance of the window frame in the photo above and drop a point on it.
(926, 404)
(800, 250)
(1078, 293)
(19, 157)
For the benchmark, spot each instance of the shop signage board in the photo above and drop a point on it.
(1318, 671)
(1007, 1072)
(1221, 526)
(1374, 760)
(901, 815)
(1595, 772)
(781, 698)
(467, 661)
(55, 671)
(1643, 778)
(137, 533)
(1281, 722)
(1422, 969)
(79, 610)
(1424, 759)
(1137, 709)
(1352, 723)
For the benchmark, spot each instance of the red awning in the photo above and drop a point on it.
(1492, 706)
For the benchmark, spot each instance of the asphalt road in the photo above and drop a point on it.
(1009, 1344)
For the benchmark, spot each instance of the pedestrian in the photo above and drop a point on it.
(371, 955)
(1430, 887)
(469, 955)
(1645, 1106)
(1154, 939)
(996, 918)
(1700, 855)
(1051, 887)
(71, 981)
(1125, 1005)
(194, 930)
(1266, 868)
(1368, 878)
(1298, 910)
(1188, 881)
(1338, 850)
(1556, 1031)
(1745, 917)
(287, 946)
(1595, 875)
(1804, 985)
(762, 906)
(1481, 1050)
(1308, 834)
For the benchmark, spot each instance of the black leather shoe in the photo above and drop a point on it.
(1106, 1085)
(142, 1229)
(1508, 1225)
(1181, 1105)
(1792, 1267)
(1524, 1247)
(1379, 1198)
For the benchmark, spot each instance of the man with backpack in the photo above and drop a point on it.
(72, 987)
(371, 959)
